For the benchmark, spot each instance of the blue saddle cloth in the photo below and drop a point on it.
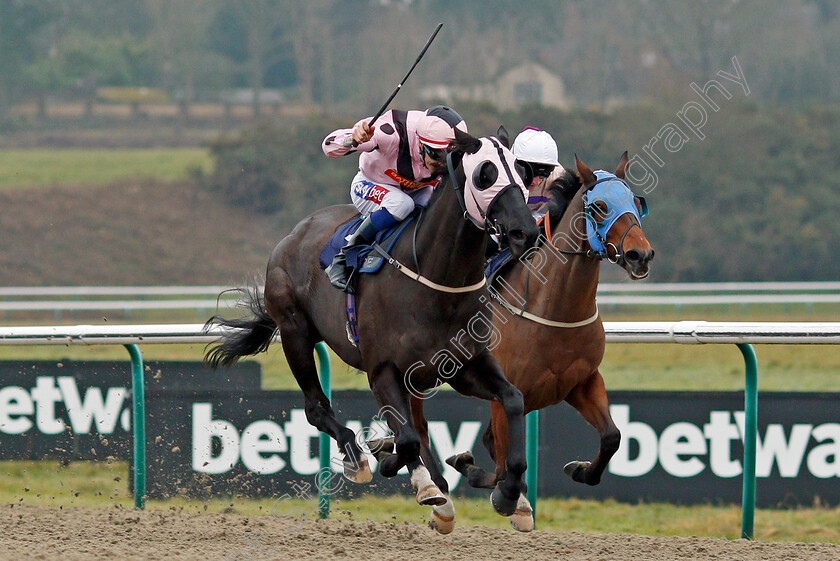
(359, 257)
(494, 265)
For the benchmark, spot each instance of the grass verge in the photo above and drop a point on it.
(42, 168)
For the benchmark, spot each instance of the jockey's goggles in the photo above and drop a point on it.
(436, 154)
(542, 170)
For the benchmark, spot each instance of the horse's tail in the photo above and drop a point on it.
(244, 336)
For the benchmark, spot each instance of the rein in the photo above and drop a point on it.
(535, 318)
(423, 280)
(588, 253)
(543, 321)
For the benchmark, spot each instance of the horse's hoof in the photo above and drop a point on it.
(379, 445)
(577, 471)
(442, 524)
(430, 495)
(358, 473)
(501, 504)
(461, 461)
(522, 520)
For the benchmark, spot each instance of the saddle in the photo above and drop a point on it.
(496, 263)
(361, 258)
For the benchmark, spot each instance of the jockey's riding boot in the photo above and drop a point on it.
(337, 271)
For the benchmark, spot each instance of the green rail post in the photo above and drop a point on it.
(138, 424)
(750, 429)
(532, 445)
(324, 439)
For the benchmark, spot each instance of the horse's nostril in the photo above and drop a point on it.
(632, 256)
(517, 236)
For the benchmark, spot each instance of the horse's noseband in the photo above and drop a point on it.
(619, 251)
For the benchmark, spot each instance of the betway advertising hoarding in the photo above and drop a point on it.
(72, 410)
(225, 436)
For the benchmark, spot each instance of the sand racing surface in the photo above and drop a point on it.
(31, 532)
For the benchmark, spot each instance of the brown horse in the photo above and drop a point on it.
(403, 319)
(552, 337)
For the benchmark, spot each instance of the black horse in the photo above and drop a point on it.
(403, 322)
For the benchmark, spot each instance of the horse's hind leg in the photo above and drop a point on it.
(590, 399)
(477, 477)
(299, 345)
(464, 463)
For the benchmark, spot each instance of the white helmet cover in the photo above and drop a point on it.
(534, 145)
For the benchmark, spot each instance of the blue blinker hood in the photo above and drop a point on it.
(619, 199)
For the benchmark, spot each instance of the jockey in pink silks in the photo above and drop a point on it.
(403, 157)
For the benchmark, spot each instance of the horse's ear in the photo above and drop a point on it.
(587, 177)
(466, 143)
(622, 166)
(503, 136)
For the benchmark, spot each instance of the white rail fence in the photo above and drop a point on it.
(206, 298)
(683, 332)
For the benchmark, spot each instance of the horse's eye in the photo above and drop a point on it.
(600, 210)
(485, 175)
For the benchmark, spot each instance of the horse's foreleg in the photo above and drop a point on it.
(443, 512)
(386, 383)
(443, 517)
(496, 441)
(427, 478)
(299, 348)
(483, 378)
(590, 399)
(429, 484)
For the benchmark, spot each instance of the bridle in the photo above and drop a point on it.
(492, 227)
(618, 253)
(590, 253)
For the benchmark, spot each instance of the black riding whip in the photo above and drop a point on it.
(400, 85)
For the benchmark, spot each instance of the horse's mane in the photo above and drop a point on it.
(563, 184)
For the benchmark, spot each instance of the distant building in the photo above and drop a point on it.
(524, 84)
